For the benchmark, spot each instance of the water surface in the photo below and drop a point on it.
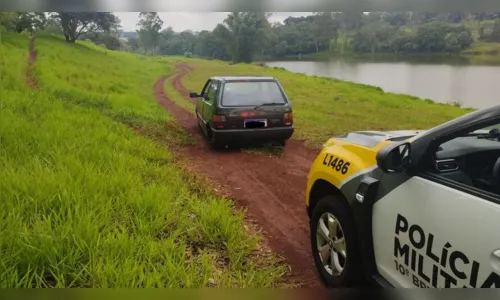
(476, 86)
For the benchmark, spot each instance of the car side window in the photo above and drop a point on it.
(472, 159)
(204, 92)
(212, 92)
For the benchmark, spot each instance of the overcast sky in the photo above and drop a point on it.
(195, 21)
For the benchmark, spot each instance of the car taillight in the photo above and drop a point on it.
(219, 120)
(288, 118)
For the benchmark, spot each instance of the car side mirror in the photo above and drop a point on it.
(394, 158)
(194, 95)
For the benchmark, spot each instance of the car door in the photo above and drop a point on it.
(431, 231)
(200, 104)
(209, 99)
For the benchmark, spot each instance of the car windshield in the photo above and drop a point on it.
(251, 93)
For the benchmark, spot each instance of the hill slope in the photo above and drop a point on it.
(87, 202)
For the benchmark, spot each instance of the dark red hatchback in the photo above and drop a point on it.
(244, 110)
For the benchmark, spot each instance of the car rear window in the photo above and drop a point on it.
(249, 93)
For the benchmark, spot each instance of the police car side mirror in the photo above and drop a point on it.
(394, 157)
(194, 95)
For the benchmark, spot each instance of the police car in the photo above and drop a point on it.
(409, 208)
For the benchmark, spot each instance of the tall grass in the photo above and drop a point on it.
(86, 202)
(13, 60)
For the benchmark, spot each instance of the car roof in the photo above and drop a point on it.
(242, 77)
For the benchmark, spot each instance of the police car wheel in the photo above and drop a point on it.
(334, 243)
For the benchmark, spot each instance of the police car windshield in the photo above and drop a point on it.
(487, 132)
(251, 93)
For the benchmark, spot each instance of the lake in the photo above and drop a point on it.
(471, 85)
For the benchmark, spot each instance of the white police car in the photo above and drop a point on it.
(409, 209)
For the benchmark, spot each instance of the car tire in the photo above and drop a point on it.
(214, 142)
(350, 274)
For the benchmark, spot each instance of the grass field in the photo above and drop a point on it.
(324, 107)
(87, 202)
(484, 49)
(92, 194)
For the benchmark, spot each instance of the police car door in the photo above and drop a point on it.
(432, 231)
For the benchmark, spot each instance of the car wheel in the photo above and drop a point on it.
(214, 142)
(334, 243)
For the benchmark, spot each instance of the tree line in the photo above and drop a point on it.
(246, 36)
(99, 27)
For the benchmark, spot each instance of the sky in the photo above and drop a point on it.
(195, 21)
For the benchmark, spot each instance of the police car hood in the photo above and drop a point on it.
(372, 138)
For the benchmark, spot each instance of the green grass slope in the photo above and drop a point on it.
(324, 107)
(87, 202)
(484, 49)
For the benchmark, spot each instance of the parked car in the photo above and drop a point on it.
(244, 109)
(409, 208)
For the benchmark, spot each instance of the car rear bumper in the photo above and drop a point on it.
(263, 135)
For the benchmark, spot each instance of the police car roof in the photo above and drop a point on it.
(243, 78)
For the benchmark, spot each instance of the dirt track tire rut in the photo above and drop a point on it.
(271, 189)
(31, 79)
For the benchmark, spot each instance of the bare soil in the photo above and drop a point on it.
(31, 80)
(272, 189)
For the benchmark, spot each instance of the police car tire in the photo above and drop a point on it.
(352, 273)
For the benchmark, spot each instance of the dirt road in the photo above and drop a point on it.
(272, 189)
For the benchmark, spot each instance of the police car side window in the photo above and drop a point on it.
(471, 158)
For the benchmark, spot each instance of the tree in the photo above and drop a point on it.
(53, 25)
(373, 37)
(348, 21)
(425, 17)
(299, 35)
(133, 42)
(324, 29)
(30, 21)
(439, 37)
(494, 36)
(150, 25)
(7, 20)
(221, 40)
(244, 33)
(188, 40)
(75, 24)
(109, 38)
(396, 18)
(465, 39)
(403, 42)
